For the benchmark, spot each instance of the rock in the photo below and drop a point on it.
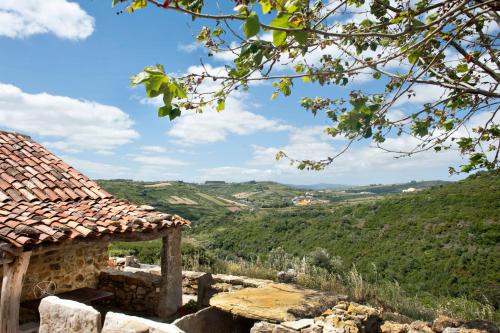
(328, 328)
(263, 327)
(65, 316)
(211, 320)
(341, 306)
(451, 330)
(420, 327)
(130, 261)
(479, 326)
(118, 322)
(393, 327)
(334, 319)
(350, 326)
(366, 311)
(274, 302)
(204, 283)
(266, 327)
(282, 329)
(298, 324)
(312, 329)
(442, 322)
(289, 276)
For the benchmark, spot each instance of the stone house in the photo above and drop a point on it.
(56, 224)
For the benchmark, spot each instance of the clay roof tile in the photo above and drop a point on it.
(40, 191)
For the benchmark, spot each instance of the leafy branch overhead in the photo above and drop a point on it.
(448, 48)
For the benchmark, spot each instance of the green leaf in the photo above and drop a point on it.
(251, 26)
(300, 37)
(139, 78)
(178, 90)
(279, 37)
(281, 21)
(221, 104)
(171, 112)
(167, 97)
(163, 111)
(413, 57)
(266, 6)
(462, 68)
(377, 75)
(153, 85)
(174, 113)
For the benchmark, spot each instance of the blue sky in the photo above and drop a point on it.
(64, 69)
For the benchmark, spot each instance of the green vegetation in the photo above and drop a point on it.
(420, 253)
(443, 240)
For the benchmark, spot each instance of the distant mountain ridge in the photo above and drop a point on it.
(320, 186)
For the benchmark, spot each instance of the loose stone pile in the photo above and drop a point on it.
(349, 317)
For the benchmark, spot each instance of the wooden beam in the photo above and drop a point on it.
(171, 275)
(103, 239)
(13, 276)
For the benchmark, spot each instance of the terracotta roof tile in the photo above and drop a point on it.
(49, 201)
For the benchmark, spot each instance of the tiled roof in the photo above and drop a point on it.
(42, 199)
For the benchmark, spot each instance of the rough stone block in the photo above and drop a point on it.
(298, 324)
(393, 327)
(213, 320)
(65, 316)
(263, 327)
(118, 322)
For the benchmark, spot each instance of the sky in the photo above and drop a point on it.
(64, 80)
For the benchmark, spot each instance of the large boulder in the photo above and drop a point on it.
(65, 316)
(442, 322)
(393, 327)
(274, 302)
(119, 322)
(420, 327)
(479, 326)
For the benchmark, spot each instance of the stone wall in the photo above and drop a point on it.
(70, 267)
(136, 292)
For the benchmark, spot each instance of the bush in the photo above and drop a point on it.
(321, 258)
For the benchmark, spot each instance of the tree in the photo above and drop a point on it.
(448, 45)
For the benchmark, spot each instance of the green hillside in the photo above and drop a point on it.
(443, 240)
(199, 201)
(437, 243)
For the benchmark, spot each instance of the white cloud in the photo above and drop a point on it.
(211, 126)
(360, 164)
(96, 169)
(423, 94)
(65, 19)
(303, 143)
(157, 161)
(153, 149)
(228, 55)
(188, 48)
(235, 174)
(72, 124)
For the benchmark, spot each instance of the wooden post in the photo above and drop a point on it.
(13, 276)
(171, 275)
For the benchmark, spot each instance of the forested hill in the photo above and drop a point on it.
(444, 240)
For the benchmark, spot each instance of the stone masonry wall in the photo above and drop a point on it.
(135, 292)
(70, 267)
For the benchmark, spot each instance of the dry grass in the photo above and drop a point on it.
(388, 295)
